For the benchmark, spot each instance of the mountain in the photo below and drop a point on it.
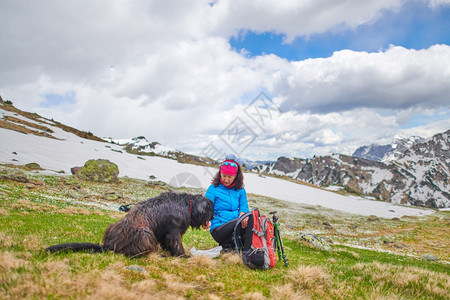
(420, 176)
(141, 146)
(246, 163)
(387, 153)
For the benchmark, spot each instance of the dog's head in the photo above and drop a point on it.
(202, 211)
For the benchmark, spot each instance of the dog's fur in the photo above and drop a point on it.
(161, 220)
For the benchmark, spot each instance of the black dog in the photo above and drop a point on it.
(161, 220)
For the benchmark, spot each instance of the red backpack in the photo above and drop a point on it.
(260, 254)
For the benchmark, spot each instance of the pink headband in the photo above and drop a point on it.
(229, 167)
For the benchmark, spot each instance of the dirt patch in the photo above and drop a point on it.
(23, 129)
(29, 124)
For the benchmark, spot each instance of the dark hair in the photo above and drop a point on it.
(239, 180)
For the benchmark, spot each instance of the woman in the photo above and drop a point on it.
(230, 202)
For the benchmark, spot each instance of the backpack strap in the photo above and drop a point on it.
(237, 237)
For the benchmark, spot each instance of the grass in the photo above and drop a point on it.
(44, 212)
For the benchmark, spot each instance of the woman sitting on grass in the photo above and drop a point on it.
(230, 202)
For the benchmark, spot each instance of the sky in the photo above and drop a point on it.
(257, 79)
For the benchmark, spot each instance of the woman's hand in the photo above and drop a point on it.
(206, 225)
(245, 221)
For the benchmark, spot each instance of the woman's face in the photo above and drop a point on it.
(227, 180)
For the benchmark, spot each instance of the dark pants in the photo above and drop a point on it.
(224, 234)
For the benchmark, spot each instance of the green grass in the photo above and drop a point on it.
(35, 217)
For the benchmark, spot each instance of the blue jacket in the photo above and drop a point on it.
(228, 203)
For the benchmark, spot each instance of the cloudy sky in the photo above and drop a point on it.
(260, 79)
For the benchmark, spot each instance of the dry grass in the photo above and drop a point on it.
(310, 278)
(437, 284)
(202, 262)
(9, 262)
(22, 129)
(232, 258)
(28, 124)
(288, 292)
(5, 240)
(254, 296)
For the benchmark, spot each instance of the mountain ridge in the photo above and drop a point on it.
(389, 152)
(419, 177)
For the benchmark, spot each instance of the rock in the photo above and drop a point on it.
(372, 218)
(327, 225)
(77, 194)
(15, 175)
(429, 257)
(316, 241)
(33, 166)
(315, 223)
(136, 268)
(74, 170)
(400, 245)
(112, 196)
(100, 170)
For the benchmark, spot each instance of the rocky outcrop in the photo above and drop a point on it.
(13, 175)
(420, 177)
(74, 170)
(100, 170)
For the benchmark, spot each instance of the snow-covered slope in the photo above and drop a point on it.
(67, 150)
(141, 144)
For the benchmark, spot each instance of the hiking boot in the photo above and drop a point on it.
(227, 248)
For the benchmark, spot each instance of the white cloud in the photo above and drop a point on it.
(296, 18)
(165, 70)
(395, 79)
(437, 3)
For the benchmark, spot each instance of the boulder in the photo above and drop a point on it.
(100, 170)
(74, 170)
(372, 218)
(33, 166)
